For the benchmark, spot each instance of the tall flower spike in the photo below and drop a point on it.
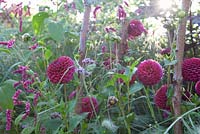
(8, 119)
(15, 97)
(191, 69)
(61, 70)
(149, 72)
(27, 110)
(121, 13)
(97, 8)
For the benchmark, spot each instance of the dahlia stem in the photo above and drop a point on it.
(146, 90)
(124, 117)
(65, 93)
(180, 44)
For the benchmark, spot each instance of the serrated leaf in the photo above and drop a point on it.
(47, 54)
(75, 120)
(136, 87)
(56, 30)
(6, 92)
(27, 130)
(38, 21)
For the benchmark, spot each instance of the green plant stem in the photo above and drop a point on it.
(180, 117)
(149, 104)
(124, 118)
(168, 75)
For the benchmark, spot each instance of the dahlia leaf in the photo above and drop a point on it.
(6, 92)
(56, 30)
(52, 124)
(136, 87)
(38, 21)
(75, 120)
(169, 63)
(47, 54)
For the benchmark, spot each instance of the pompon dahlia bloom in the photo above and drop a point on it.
(197, 87)
(135, 28)
(160, 98)
(191, 69)
(61, 70)
(87, 104)
(149, 72)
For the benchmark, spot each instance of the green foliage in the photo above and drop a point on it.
(38, 22)
(6, 92)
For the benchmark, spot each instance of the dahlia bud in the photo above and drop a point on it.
(112, 100)
(55, 115)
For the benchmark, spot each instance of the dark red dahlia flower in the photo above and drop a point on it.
(197, 87)
(186, 95)
(61, 70)
(160, 98)
(165, 51)
(133, 79)
(149, 72)
(135, 28)
(191, 69)
(90, 105)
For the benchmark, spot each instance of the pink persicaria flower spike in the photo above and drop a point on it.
(197, 87)
(97, 8)
(9, 43)
(149, 72)
(121, 13)
(15, 97)
(89, 105)
(61, 70)
(135, 29)
(27, 110)
(33, 47)
(191, 69)
(8, 119)
(160, 97)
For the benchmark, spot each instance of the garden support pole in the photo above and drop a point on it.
(84, 31)
(82, 51)
(124, 37)
(180, 44)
